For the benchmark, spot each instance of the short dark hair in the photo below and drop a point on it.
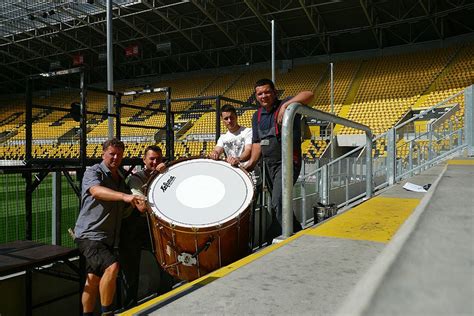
(263, 82)
(154, 148)
(114, 142)
(228, 108)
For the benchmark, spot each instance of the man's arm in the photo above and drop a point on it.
(216, 153)
(256, 149)
(105, 194)
(248, 145)
(254, 157)
(234, 161)
(304, 97)
(246, 153)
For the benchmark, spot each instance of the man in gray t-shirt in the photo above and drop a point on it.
(104, 198)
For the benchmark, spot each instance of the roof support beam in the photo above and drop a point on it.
(11, 82)
(210, 17)
(371, 19)
(263, 21)
(25, 48)
(315, 26)
(90, 25)
(186, 36)
(432, 19)
(15, 69)
(266, 25)
(72, 38)
(164, 17)
(131, 25)
(20, 60)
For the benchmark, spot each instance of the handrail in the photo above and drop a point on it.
(429, 109)
(287, 156)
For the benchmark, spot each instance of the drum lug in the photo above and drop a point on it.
(187, 259)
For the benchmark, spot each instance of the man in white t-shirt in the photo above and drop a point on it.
(236, 143)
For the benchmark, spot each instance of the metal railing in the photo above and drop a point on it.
(361, 171)
(287, 162)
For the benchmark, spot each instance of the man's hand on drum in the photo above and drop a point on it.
(234, 161)
(161, 167)
(141, 205)
(135, 200)
(214, 155)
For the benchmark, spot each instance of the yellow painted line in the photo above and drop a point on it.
(374, 220)
(211, 276)
(468, 162)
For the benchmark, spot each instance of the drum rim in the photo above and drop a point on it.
(173, 223)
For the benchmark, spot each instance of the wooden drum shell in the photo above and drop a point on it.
(188, 252)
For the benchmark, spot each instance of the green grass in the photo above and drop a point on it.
(12, 209)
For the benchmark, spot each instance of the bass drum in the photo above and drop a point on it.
(200, 216)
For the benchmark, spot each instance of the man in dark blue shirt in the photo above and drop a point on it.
(266, 140)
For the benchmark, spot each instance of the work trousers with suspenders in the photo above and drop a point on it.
(271, 151)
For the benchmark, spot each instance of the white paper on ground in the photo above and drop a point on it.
(413, 187)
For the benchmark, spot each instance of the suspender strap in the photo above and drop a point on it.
(259, 115)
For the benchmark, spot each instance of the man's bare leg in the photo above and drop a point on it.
(91, 290)
(108, 283)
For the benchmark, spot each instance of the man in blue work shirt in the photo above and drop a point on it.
(266, 140)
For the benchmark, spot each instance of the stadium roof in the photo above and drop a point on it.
(175, 36)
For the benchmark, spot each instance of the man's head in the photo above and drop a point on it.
(229, 117)
(265, 93)
(153, 157)
(112, 153)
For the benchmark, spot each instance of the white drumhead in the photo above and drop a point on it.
(200, 193)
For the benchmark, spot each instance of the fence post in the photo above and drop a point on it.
(410, 157)
(348, 177)
(324, 185)
(218, 118)
(169, 126)
(287, 171)
(118, 118)
(28, 156)
(391, 156)
(56, 209)
(303, 201)
(83, 125)
(368, 166)
(469, 119)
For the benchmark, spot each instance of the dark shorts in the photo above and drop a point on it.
(99, 256)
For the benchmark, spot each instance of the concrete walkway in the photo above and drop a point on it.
(433, 271)
(315, 271)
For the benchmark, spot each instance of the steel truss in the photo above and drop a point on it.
(207, 34)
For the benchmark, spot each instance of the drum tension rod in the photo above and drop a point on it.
(204, 247)
(187, 259)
